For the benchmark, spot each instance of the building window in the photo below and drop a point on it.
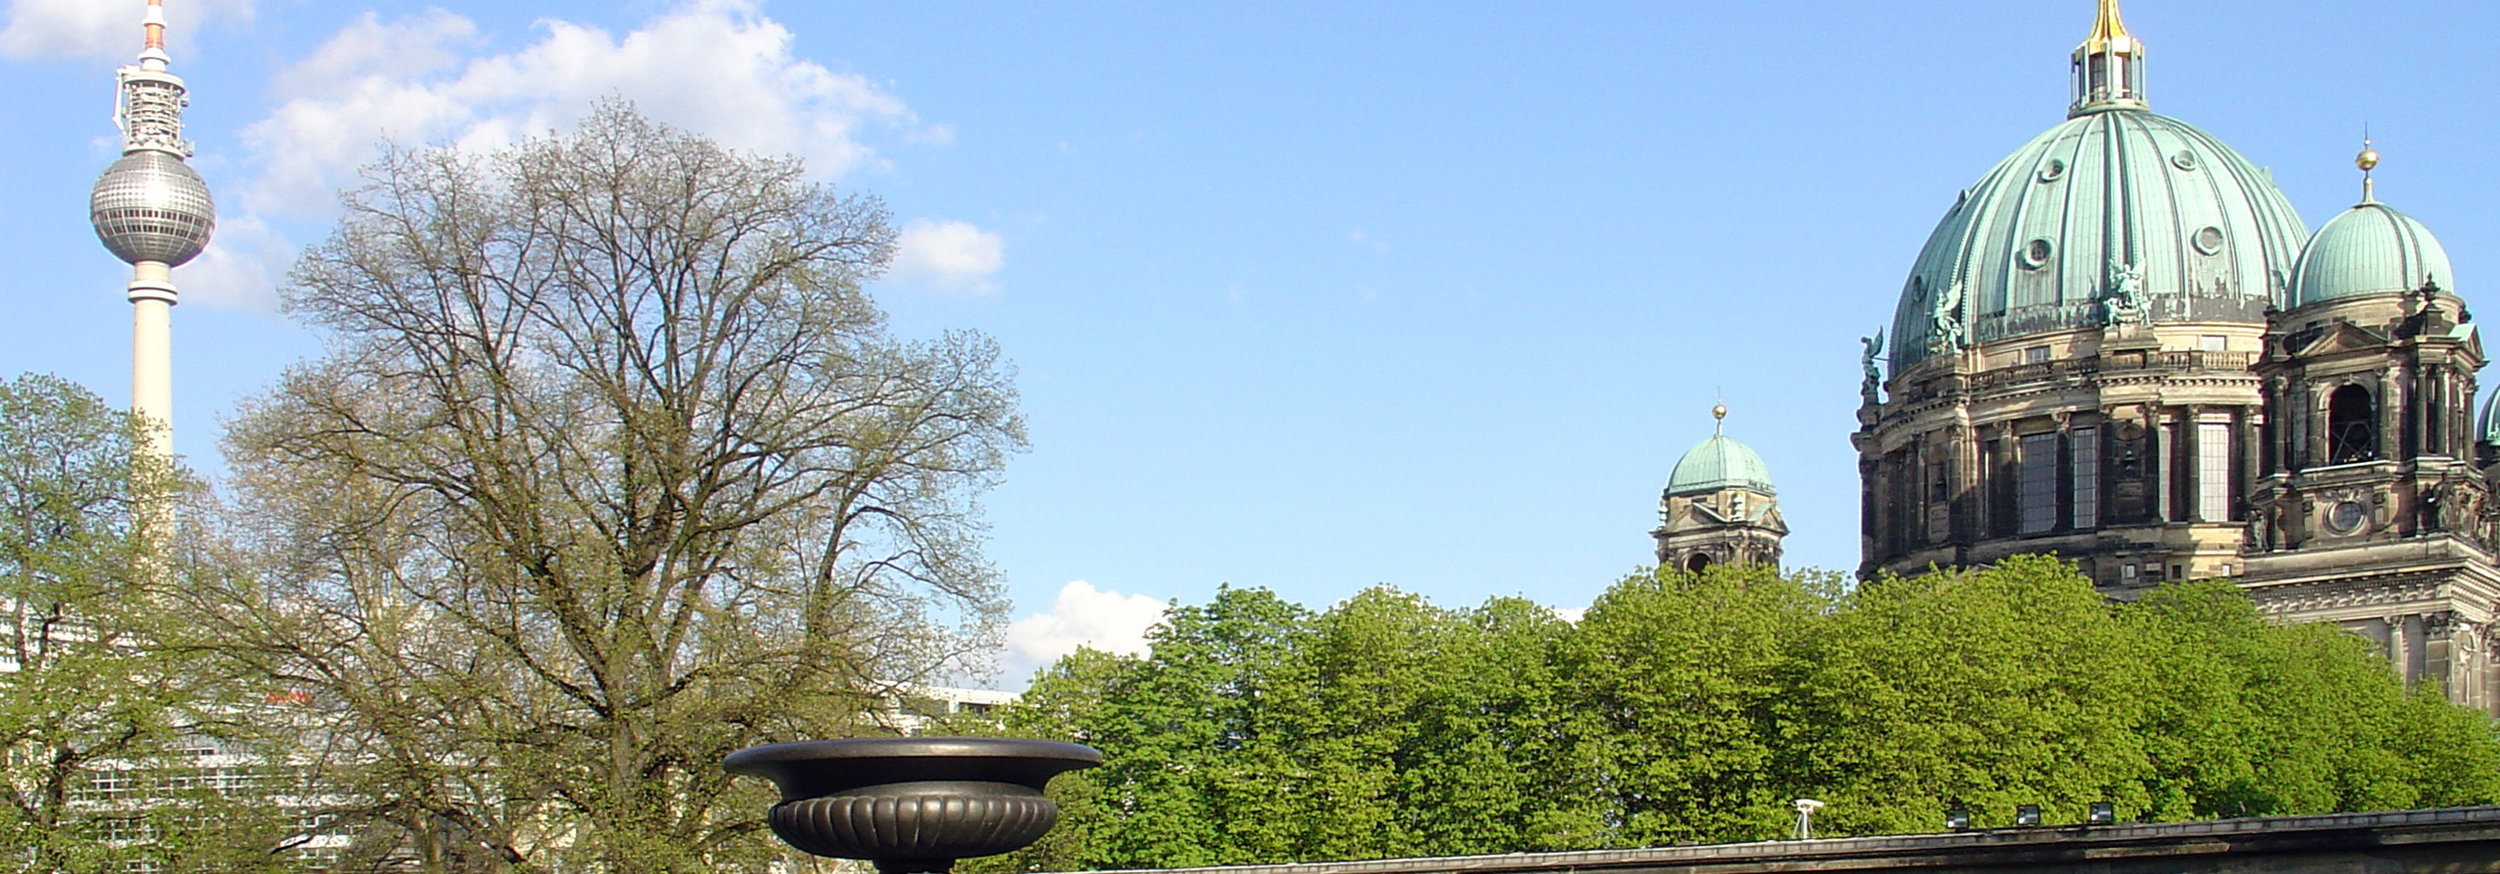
(2085, 445)
(2349, 436)
(2213, 343)
(2039, 483)
(2213, 471)
(2036, 355)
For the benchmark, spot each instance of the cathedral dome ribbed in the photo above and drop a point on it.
(2112, 198)
(1719, 463)
(2370, 248)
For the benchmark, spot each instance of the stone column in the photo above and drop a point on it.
(2391, 402)
(2440, 655)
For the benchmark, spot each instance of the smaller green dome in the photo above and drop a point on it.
(1719, 463)
(2369, 249)
(2485, 425)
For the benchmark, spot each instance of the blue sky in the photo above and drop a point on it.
(1309, 296)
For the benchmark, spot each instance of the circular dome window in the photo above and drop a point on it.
(2036, 254)
(2208, 240)
(2184, 160)
(2346, 517)
(2050, 171)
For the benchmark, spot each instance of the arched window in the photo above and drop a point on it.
(2351, 434)
(1697, 563)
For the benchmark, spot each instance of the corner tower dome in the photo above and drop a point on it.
(1719, 463)
(2369, 249)
(2117, 214)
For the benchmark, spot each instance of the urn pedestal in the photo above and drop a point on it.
(912, 805)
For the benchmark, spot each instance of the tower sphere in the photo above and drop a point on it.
(150, 206)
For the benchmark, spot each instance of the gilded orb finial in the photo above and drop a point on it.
(1718, 412)
(2367, 161)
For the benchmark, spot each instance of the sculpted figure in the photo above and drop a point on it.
(2126, 302)
(1944, 321)
(1866, 360)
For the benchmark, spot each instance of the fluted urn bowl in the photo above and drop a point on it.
(912, 805)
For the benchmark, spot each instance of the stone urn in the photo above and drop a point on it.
(912, 805)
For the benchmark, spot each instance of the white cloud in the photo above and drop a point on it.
(1081, 616)
(1359, 238)
(716, 67)
(1572, 615)
(949, 255)
(97, 29)
(240, 268)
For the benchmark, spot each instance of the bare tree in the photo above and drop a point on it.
(610, 469)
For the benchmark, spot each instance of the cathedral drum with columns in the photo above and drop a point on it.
(2123, 346)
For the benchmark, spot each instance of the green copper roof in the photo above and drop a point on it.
(2110, 205)
(1719, 463)
(2370, 248)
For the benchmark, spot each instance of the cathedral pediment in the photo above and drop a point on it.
(2341, 336)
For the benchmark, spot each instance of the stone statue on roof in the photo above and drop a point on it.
(2126, 303)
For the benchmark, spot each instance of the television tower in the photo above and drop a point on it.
(153, 211)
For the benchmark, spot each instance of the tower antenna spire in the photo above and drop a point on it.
(154, 212)
(2367, 161)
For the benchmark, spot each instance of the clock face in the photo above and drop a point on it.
(2346, 517)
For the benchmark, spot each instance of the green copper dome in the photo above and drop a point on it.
(1719, 463)
(2487, 426)
(2117, 214)
(2370, 248)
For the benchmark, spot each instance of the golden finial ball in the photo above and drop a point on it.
(1718, 411)
(2367, 160)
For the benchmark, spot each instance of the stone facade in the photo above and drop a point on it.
(2123, 347)
(1733, 525)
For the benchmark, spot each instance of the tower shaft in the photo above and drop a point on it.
(151, 357)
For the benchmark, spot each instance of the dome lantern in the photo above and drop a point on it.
(2108, 66)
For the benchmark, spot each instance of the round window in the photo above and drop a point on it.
(2346, 517)
(2050, 171)
(2209, 240)
(2036, 254)
(2184, 160)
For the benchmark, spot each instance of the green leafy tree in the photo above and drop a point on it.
(2254, 718)
(1491, 767)
(1682, 677)
(1694, 708)
(1988, 688)
(101, 696)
